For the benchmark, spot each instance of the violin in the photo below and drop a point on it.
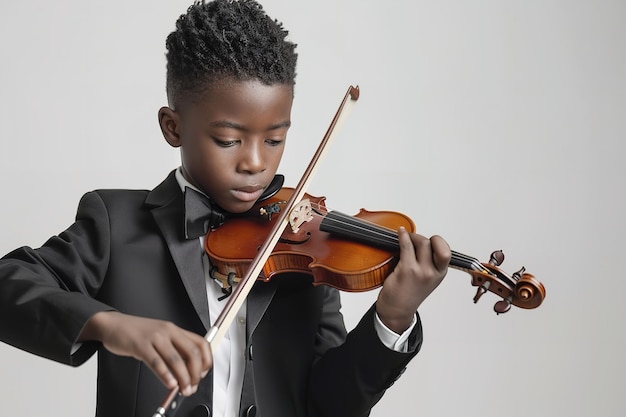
(350, 253)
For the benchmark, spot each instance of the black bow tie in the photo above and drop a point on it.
(202, 214)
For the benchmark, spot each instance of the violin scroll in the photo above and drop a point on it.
(521, 289)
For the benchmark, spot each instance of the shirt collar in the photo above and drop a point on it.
(182, 181)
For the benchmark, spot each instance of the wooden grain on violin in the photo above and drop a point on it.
(331, 260)
(350, 253)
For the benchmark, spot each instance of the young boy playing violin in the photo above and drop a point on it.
(130, 280)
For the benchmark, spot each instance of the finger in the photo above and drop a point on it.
(160, 368)
(407, 249)
(175, 363)
(192, 349)
(423, 249)
(205, 351)
(441, 253)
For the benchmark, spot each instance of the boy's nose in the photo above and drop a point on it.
(252, 161)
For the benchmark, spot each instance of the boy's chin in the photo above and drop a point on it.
(240, 208)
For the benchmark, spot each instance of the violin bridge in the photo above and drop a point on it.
(301, 213)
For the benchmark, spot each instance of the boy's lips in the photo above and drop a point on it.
(248, 193)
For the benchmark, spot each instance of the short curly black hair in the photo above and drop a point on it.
(223, 40)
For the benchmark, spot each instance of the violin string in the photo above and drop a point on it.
(366, 231)
(361, 229)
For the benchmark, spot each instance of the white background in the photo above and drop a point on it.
(497, 124)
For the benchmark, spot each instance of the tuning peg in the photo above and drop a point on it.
(517, 275)
(496, 258)
(481, 290)
(502, 306)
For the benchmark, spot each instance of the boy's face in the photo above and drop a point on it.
(232, 139)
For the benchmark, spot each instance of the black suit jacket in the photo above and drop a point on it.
(127, 251)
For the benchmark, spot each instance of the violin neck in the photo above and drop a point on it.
(358, 230)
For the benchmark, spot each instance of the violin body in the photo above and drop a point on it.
(331, 260)
(350, 253)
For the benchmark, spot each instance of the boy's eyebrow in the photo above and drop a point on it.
(233, 125)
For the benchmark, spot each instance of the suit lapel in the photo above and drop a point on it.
(167, 205)
(166, 201)
(258, 301)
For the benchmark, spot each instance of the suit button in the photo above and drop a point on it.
(201, 411)
(250, 352)
(251, 411)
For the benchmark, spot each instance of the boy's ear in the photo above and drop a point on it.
(169, 123)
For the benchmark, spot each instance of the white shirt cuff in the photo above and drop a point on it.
(394, 341)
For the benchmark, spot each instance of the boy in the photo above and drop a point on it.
(129, 278)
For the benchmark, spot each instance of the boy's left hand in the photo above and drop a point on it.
(422, 266)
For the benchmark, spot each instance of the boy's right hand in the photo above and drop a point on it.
(177, 356)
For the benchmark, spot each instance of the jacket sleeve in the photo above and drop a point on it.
(351, 377)
(46, 293)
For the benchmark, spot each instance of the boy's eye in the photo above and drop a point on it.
(225, 143)
(274, 142)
